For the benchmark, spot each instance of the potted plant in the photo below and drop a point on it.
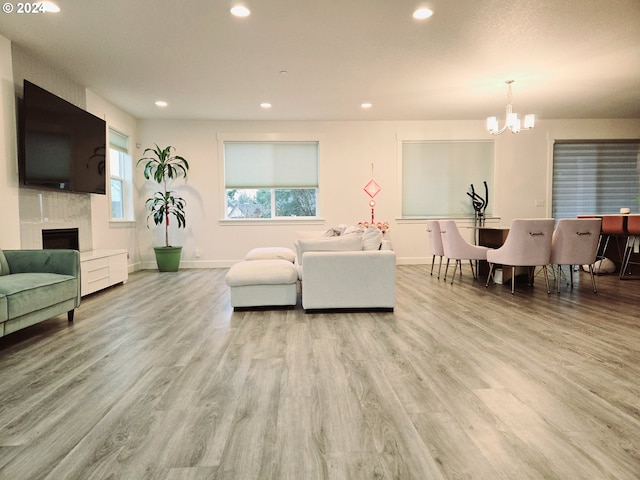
(163, 167)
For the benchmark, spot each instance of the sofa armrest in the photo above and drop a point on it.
(349, 279)
(64, 262)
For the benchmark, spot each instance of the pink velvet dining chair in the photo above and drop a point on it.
(435, 243)
(457, 248)
(575, 242)
(528, 244)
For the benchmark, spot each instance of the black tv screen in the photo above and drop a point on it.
(62, 147)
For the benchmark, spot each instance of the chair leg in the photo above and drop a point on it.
(606, 245)
(530, 274)
(433, 261)
(626, 258)
(513, 280)
(558, 275)
(490, 276)
(455, 267)
(446, 269)
(571, 276)
(546, 278)
(593, 279)
(440, 267)
(473, 272)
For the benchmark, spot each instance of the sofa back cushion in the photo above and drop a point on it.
(4, 265)
(328, 244)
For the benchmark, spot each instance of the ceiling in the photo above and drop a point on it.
(569, 58)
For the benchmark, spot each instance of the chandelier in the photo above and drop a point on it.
(512, 121)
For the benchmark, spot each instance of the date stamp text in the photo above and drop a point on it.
(24, 8)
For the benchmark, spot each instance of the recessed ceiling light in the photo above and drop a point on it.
(265, 105)
(240, 11)
(422, 13)
(50, 7)
(161, 103)
(366, 105)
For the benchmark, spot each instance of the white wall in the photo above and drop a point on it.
(10, 230)
(21, 217)
(107, 234)
(347, 150)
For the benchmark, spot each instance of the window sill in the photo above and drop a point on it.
(272, 221)
(122, 223)
(412, 220)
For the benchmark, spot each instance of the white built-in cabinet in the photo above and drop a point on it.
(101, 269)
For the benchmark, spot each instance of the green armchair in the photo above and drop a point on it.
(36, 285)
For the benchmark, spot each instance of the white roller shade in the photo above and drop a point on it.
(436, 177)
(118, 141)
(271, 164)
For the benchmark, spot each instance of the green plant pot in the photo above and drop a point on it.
(168, 258)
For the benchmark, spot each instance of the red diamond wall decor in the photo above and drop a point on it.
(372, 188)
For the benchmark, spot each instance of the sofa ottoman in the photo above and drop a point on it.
(260, 283)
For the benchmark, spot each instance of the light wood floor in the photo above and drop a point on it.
(460, 382)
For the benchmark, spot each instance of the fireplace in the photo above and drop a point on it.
(66, 238)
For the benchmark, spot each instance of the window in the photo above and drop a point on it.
(269, 180)
(594, 177)
(120, 177)
(436, 177)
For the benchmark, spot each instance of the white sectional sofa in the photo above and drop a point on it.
(350, 271)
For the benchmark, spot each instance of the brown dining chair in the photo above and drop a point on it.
(633, 232)
(613, 226)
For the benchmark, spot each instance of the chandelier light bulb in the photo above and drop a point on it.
(529, 121)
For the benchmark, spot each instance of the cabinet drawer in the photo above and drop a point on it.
(97, 274)
(96, 264)
(98, 284)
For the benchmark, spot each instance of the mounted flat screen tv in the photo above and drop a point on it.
(61, 146)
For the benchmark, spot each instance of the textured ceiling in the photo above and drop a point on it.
(569, 58)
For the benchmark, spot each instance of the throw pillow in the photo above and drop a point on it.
(601, 267)
(353, 230)
(4, 265)
(372, 238)
(334, 231)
